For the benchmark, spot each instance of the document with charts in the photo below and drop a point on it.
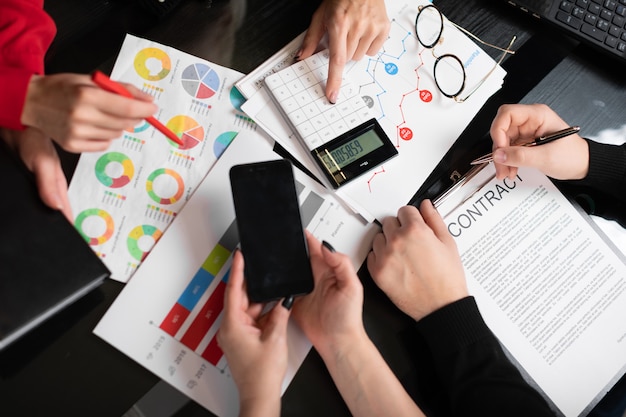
(124, 198)
(168, 314)
(398, 86)
(549, 285)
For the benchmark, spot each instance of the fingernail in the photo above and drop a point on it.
(499, 156)
(333, 97)
(288, 302)
(58, 202)
(328, 246)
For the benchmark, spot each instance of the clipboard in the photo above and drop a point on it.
(539, 267)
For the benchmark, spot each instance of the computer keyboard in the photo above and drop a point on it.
(603, 21)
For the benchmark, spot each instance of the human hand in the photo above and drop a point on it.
(331, 315)
(355, 28)
(255, 346)
(415, 261)
(515, 124)
(41, 158)
(80, 116)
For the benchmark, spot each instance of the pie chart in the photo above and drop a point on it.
(222, 142)
(200, 81)
(114, 169)
(187, 129)
(152, 64)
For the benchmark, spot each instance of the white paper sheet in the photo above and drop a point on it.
(124, 198)
(548, 285)
(167, 316)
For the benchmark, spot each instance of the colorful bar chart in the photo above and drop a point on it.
(200, 284)
(189, 320)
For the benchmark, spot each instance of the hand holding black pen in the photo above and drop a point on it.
(542, 140)
(565, 156)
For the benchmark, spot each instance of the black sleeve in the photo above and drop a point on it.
(607, 169)
(603, 191)
(472, 368)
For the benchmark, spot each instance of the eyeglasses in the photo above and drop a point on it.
(448, 71)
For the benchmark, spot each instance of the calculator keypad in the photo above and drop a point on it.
(300, 91)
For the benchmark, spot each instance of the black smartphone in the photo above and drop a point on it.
(270, 228)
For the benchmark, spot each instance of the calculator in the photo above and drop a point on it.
(344, 138)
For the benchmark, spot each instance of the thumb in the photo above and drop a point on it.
(276, 324)
(518, 156)
(339, 263)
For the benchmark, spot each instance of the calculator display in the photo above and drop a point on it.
(352, 150)
(354, 153)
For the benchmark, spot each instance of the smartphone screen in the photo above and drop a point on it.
(271, 233)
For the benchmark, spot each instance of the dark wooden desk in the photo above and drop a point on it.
(62, 368)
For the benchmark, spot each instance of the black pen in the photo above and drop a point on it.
(542, 140)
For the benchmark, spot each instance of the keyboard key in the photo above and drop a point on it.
(610, 41)
(603, 25)
(594, 9)
(593, 32)
(614, 31)
(606, 15)
(566, 6)
(591, 19)
(568, 19)
(578, 13)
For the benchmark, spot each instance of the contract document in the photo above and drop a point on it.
(548, 283)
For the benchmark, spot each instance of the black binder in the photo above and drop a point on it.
(44, 262)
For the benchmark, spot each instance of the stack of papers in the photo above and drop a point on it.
(398, 85)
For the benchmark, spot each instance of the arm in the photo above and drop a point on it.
(255, 346)
(469, 361)
(66, 107)
(331, 317)
(607, 169)
(414, 260)
(355, 28)
(25, 35)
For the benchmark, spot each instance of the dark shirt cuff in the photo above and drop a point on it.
(454, 327)
(607, 168)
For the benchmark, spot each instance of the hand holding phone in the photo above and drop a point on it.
(276, 260)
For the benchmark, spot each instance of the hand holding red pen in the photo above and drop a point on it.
(108, 84)
(78, 116)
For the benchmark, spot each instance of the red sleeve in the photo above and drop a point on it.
(26, 32)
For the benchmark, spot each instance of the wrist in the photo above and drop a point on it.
(260, 400)
(28, 117)
(261, 407)
(334, 347)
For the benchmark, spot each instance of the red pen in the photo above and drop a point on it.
(108, 84)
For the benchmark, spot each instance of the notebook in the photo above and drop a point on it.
(44, 262)
(599, 23)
